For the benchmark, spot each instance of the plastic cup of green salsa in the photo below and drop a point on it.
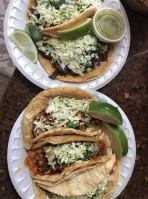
(109, 25)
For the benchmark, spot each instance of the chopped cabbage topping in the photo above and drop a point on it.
(69, 153)
(94, 194)
(64, 112)
(47, 13)
(79, 55)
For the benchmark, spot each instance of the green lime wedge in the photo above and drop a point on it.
(34, 32)
(78, 29)
(25, 44)
(117, 138)
(105, 112)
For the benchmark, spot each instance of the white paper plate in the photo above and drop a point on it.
(15, 18)
(16, 155)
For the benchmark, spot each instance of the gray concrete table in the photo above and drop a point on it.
(6, 66)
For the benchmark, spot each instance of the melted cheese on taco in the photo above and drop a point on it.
(48, 13)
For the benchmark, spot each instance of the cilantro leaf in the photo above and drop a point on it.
(73, 125)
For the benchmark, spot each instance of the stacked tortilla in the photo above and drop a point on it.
(97, 69)
(80, 178)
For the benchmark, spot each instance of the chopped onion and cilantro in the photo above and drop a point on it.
(53, 12)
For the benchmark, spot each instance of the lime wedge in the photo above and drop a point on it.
(25, 44)
(78, 29)
(105, 112)
(34, 32)
(117, 138)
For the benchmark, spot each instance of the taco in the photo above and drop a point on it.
(57, 158)
(80, 60)
(97, 182)
(49, 15)
(59, 111)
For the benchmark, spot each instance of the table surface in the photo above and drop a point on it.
(128, 90)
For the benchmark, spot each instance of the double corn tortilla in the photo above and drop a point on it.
(89, 76)
(68, 171)
(40, 103)
(83, 183)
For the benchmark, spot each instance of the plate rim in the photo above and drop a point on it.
(95, 93)
(39, 83)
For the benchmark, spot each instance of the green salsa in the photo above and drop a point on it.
(110, 24)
